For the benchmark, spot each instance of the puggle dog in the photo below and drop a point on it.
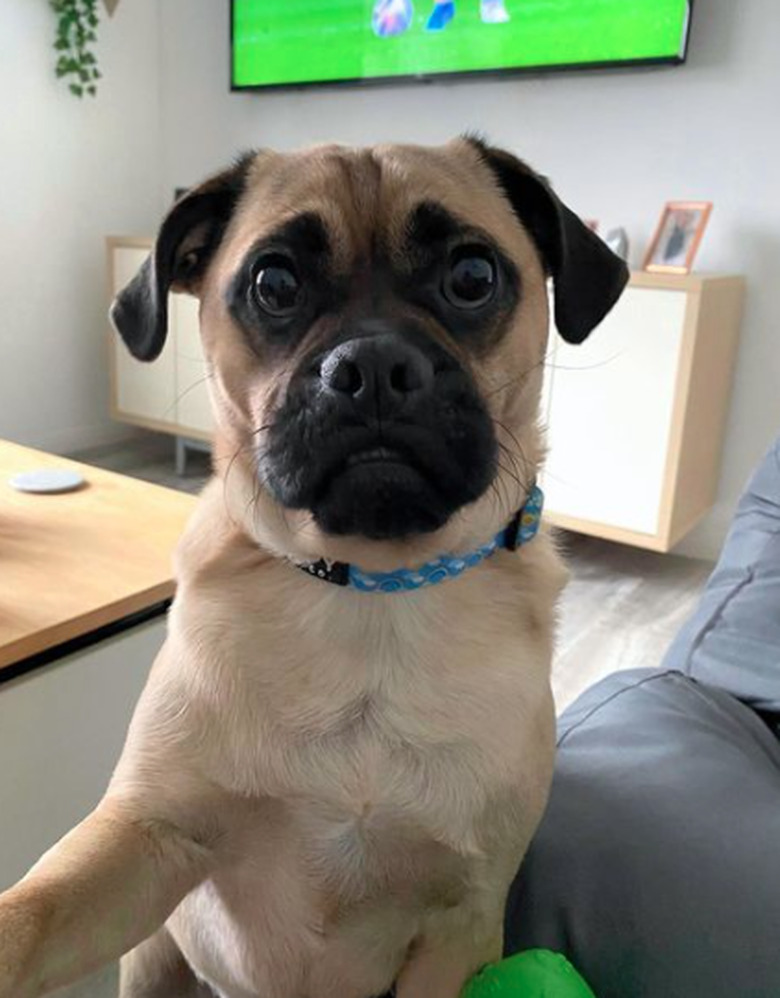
(346, 743)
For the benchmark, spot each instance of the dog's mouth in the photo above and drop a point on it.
(381, 491)
(375, 456)
(381, 484)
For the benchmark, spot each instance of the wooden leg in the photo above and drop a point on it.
(181, 457)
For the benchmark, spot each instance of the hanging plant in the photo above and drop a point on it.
(77, 22)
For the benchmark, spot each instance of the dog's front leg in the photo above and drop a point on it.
(442, 967)
(102, 889)
(157, 969)
(444, 971)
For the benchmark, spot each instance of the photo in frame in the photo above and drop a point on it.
(677, 237)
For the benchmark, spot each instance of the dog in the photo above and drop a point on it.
(346, 742)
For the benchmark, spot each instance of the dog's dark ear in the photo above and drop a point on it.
(588, 277)
(188, 237)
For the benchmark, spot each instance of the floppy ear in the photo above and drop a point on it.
(588, 277)
(188, 238)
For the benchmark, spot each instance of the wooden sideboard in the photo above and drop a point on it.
(635, 416)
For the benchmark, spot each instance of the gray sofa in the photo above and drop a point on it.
(657, 866)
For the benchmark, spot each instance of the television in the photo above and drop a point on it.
(284, 43)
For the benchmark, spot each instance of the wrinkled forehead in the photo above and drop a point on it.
(363, 201)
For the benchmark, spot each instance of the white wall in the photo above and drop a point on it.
(70, 172)
(616, 144)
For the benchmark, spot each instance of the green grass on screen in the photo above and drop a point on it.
(305, 41)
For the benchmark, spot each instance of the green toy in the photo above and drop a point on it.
(537, 973)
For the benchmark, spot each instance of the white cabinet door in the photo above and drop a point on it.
(186, 312)
(146, 391)
(61, 733)
(610, 413)
(193, 406)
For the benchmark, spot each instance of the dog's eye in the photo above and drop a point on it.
(470, 280)
(277, 288)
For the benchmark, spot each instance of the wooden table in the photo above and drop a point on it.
(75, 564)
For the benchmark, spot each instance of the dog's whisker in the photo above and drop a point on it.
(206, 377)
(242, 449)
(514, 457)
(519, 378)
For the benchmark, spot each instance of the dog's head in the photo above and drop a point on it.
(375, 323)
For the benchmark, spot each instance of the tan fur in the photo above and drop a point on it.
(321, 791)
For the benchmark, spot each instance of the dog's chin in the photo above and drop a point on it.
(382, 500)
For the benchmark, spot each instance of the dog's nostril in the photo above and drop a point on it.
(404, 379)
(376, 371)
(344, 376)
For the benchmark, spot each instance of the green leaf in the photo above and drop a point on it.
(77, 23)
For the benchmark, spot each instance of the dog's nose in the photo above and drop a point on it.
(378, 373)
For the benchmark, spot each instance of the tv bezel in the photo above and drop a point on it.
(461, 75)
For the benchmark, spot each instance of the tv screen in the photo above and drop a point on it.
(298, 42)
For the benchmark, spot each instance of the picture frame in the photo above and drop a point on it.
(677, 237)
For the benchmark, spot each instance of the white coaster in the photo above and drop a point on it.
(47, 480)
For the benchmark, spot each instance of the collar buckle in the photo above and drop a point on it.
(524, 525)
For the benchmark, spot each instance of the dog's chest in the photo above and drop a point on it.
(389, 747)
(364, 702)
(364, 776)
(372, 713)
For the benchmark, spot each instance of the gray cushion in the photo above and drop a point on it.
(733, 639)
(656, 869)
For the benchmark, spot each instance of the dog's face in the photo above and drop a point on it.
(375, 323)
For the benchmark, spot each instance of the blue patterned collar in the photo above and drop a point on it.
(522, 528)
